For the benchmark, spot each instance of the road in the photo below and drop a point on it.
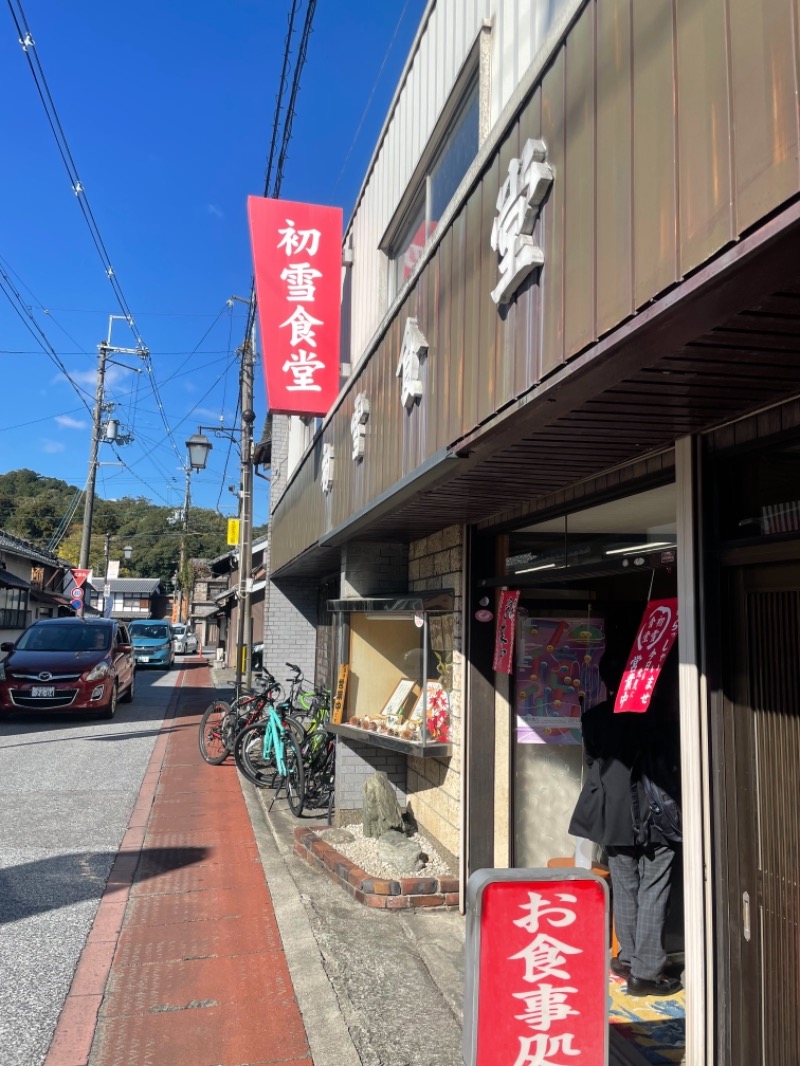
(67, 790)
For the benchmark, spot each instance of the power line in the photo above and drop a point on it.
(282, 82)
(37, 71)
(302, 52)
(29, 48)
(369, 98)
(26, 317)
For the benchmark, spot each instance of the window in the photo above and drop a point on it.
(437, 186)
(13, 608)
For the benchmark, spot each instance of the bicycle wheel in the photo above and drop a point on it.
(255, 763)
(319, 781)
(295, 791)
(241, 716)
(211, 739)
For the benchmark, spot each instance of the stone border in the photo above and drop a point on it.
(404, 893)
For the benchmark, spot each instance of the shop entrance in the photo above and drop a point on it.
(762, 822)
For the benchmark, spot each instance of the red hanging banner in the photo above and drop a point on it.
(297, 257)
(536, 969)
(657, 632)
(504, 637)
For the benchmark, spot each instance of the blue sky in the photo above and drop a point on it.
(167, 109)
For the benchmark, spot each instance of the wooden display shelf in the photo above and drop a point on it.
(433, 748)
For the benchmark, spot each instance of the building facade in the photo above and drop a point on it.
(571, 309)
(32, 584)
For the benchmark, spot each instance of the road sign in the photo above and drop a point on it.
(80, 576)
(76, 604)
(77, 594)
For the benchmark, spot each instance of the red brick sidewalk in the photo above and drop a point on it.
(184, 964)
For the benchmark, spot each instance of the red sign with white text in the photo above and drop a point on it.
(542, 971)
(297, 257)
(504, 636)
(657, 632)
(79, 576)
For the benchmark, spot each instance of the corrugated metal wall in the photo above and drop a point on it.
(672, 127)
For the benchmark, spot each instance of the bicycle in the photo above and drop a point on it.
(267, 751)
(320, 778)
(222, 721)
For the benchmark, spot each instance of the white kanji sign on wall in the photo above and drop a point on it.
(326, 472)
(358, 426)
(414, 349)
(518, 204)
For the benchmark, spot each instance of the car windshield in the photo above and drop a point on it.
(68, 637)
(153, 632)
(179, 630)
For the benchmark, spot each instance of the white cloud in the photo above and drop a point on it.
(81, 377)
(214, 210)
(70, 423)
(53, 447)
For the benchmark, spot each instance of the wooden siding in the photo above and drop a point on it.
(637, 107)
(519, 31)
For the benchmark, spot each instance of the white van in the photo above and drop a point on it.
(184, 639)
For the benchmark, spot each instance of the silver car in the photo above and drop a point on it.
(184, 639)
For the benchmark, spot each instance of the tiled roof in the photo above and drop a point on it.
(18, 546)
(145, 585)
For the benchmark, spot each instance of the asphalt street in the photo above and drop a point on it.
(67, 790)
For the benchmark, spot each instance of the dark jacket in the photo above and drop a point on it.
(611, 743)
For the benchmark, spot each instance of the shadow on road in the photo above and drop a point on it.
(62, 880)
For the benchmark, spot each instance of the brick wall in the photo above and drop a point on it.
(373, 568)
(434, 785)
(354, 764)
(290, 609)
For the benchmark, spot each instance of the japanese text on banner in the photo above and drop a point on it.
(657, 632)
(506, 623)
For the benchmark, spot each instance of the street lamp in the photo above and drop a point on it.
(198, 447)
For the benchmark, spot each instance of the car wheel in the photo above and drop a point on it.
(130, 691)
(110, 708)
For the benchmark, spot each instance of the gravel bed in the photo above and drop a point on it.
(364, 852)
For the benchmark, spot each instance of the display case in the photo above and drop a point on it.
(395, 673)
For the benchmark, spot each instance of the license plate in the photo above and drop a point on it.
(144, 658)
(43, 691)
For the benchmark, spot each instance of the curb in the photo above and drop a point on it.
(405, 893)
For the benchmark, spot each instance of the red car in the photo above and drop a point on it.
(68, 664)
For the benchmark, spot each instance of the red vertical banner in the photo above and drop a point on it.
(537, 969)
(504, 636)
(657, 632)
(297, 257)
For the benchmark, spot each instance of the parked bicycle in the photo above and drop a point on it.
(268, 754)
(222, 721)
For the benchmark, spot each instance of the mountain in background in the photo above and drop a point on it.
(35, 508)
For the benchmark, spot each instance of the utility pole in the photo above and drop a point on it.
(244, 663)
(104, 349)
(187, 499)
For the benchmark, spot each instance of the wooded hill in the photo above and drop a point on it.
(34, 508)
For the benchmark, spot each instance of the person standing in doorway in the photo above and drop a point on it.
(613, 812)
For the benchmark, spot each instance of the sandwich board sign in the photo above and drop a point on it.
(536, 968)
